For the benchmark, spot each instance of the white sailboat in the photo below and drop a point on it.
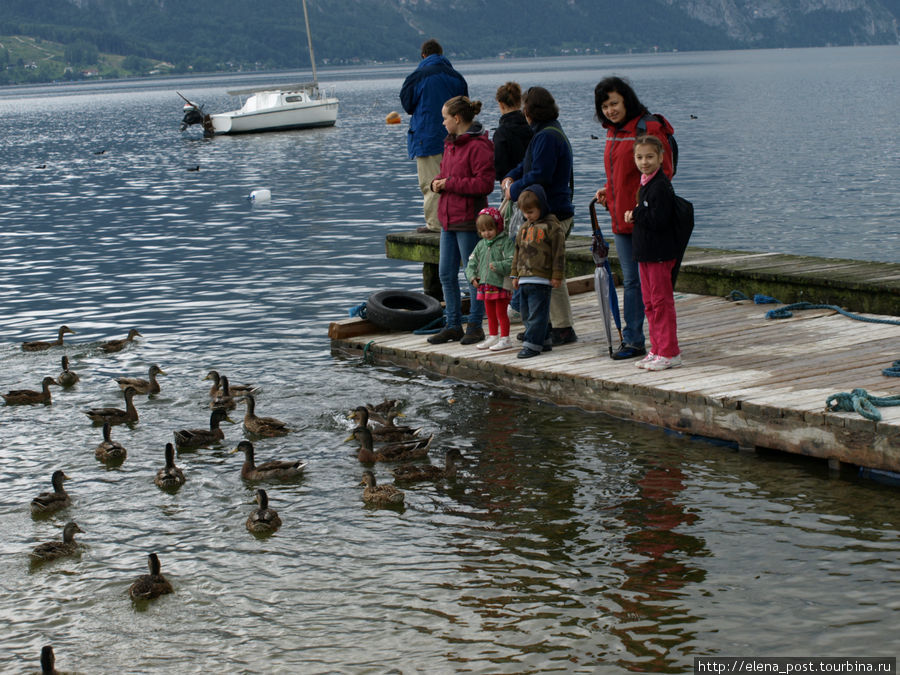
(275, 108)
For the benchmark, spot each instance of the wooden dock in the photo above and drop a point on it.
(756, 382)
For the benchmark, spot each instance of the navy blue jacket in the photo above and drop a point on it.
(424, 93)
(547, 162)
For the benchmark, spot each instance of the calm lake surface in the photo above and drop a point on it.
(570, 542)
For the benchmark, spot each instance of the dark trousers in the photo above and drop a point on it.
(535, 308)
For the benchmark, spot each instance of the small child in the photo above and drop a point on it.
(538, 266)
(488, 270)
(656, 250)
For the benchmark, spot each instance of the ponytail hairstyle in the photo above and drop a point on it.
(510, 95)
(465, 108)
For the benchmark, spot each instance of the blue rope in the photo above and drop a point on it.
(785, 312)
(893, 370)
(437, 325)
(735, 296)
(359, 310)
(758, 299)
(861, 401)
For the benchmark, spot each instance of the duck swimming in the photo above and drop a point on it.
(386, 432)
(29, 396)
(67, 377)
(116, 415)
(263, 520)
(262, 426)
(380, 495)
(140, 385)
(190, 439)
(225, 398)
(236, 389)
(110, 451)
(52, 550)
(271, 470)
(48, 502)
(170, 477)
(48, 661)
(118, 345)
(411, 473)
(389, 452)
(38, 346)
(149, 586)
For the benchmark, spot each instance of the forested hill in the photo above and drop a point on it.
(207, 35)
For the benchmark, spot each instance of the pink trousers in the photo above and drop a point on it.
(659, 306)
(495, 309)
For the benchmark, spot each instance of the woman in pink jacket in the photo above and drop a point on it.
(465, 180)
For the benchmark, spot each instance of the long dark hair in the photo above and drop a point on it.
(613, 84)
(540, 106)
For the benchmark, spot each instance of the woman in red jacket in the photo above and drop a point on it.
(465, 180)
(625, 117)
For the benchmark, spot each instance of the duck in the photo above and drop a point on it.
(388, 452)
(386, 432)
(236, 389)
(52, 550)
(48, 661)
(140, 385)
(118, 345)
(67, 377)
(48, 502)
(149, 586)
(38, 346)
(271, 470)
(386, 411)
(116, 415)
(411, 473)
(262, 426)
(29, 396)
(380, 495)
(170, 477)
(189, 439)
(110, 451)
(225, 398)
(263, 520)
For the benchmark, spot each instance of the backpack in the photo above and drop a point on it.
(673, 144)
(684, 226)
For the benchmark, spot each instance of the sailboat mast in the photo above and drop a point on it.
(312, 58)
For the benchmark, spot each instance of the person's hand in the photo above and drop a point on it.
(555, 283)
(475, 282)
(437, 185)
(505, 186)
(601, 196)
(629, 216)
(491, 266)
(515, 283)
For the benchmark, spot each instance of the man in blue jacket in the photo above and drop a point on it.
(423, 95)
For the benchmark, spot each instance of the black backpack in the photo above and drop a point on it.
(684, 226)
(673, 144)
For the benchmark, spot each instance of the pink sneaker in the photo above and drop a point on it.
(664, 362)
(644, 362)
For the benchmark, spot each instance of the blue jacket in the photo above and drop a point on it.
(548, 162)
(424, 93)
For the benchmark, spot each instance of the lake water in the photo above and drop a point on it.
(570, 542)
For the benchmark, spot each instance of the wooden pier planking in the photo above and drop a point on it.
(754, 381)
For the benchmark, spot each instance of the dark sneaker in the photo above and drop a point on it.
(449, 334)
(424, 229)
(628, 352)
(520, 336)
(474, 335)
(562, 336)
(527, 353)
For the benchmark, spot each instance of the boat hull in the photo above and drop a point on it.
(316, 114)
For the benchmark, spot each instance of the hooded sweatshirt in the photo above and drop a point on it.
(468, 166)
(511, 138)
(424, 93)
(540, 246)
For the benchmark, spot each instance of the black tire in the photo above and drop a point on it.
(402, 310)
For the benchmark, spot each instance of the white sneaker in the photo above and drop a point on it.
(514, 315)
(644, 362)
(501, 344)
(664, 363)
(487, 342)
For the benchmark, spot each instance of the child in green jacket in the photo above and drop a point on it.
(488, 270)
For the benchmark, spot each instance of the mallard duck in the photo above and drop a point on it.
(170, 477)
(271, 470)
(262, 426)
(52, 550)
(226, 398)
(187, 439)
(48, 502)
(380, 495)
(48, 661)
(149, 586)
(388, 452)
(118, 345)
(110, 451)
(39, 346)
(386, 411)
(28, 396)
(411, 473)
(67, 377)
(263, 520)
(236, 389)
(386, 432)
(116, 415)
(140, 385)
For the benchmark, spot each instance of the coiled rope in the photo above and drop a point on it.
(861, 401)
(785, 312)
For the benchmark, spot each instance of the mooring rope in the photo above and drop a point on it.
(861, 401)
(359, 310)
(367, 355)
(785, 312)
(892, 370)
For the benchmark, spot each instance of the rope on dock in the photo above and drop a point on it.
(892, 370)
(359, 310)
(367, 356)
(758, 299)
(861, 401)
(785, 312)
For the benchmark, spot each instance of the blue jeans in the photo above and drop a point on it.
(456, 247)
(633, 312)
(535, 303)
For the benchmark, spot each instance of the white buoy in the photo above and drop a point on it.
(260, 195)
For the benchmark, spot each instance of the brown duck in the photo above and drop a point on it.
(389, 452)
(262, 426)
(48, 502)
(189, 439)
(236, 389)
(263, 520)
(52, 550)
(149, 586)
(118, 345)
(411, 473)
(39, 346)
(67, 377)
(116, 415)
(380, 495)
(110, 451)
(271, 470)
(170, 477)
(142, 386)
(28, 396)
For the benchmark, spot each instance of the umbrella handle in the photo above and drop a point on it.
(593, 209)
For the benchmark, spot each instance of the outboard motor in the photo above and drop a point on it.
(193, 114)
